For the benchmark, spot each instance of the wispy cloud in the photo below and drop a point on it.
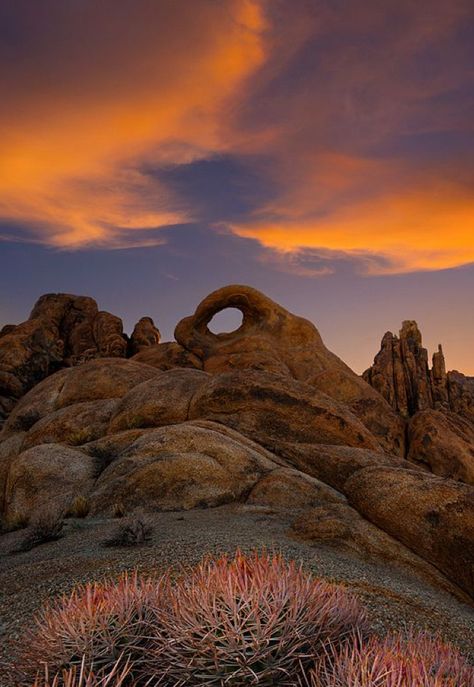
(94, 91)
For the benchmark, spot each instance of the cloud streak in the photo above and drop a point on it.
(116, 86)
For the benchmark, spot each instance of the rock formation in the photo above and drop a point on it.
(401, 374)
(438, 405)
(264, 416)
(62, 331)
(145, 334)
(272, 339)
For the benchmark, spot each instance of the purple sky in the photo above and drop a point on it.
(154, 150)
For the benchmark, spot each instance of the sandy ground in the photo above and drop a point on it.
(395, 599)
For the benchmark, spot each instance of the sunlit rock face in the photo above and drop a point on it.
(264, 416)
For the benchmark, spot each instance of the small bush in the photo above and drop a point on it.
(118, 509)
(80, 436)
(135, 531)
(45, 527)
(419, 661)
(79, 508)
(14, 521)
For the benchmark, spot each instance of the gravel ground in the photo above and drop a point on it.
(395, 599)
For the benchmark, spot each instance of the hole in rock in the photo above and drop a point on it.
(226, 321)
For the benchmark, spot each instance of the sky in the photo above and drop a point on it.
(318, 150)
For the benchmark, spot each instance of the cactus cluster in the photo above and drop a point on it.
(253, 620)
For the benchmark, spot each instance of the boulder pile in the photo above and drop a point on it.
(265, 416)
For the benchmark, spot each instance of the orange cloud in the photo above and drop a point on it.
(74, 137)
(409, 230)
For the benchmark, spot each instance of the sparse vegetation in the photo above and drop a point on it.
(45, 527)
(118, 509)
(103, 456)
(80, 436)
(79, 508)
(137, 421)
(134, 531)
(25, 421)
(17, 520)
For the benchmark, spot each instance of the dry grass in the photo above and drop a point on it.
(14, 521)
(79, 508)
(134, 531)
(46, 526)
(118, 510)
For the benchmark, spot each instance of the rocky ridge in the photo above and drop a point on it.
(264, 416)
(401, 374)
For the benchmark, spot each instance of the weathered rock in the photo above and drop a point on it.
(444, 443)
(270, 408)
(333, 465)
(144, 335)
(340, 526)
(167, 356)
(284, 488)
(9, 449)
(108, 336)
(400, 372)
(47, 475)
(62, 330)
(180, 467)
(265, 416)
(27, 355)
(100, 379)
(162, 400)
(273, 340)
(461, 394)
(73, 425)
(37, 403)
(96, 380)
(432, 516)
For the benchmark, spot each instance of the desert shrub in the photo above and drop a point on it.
(100, 627)
(418, 661)
(134, 531)
(118, 509)
(248, 620)
(80, 436)
(17, 520)
(82, 678)
(79, 508)
(46, 526)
